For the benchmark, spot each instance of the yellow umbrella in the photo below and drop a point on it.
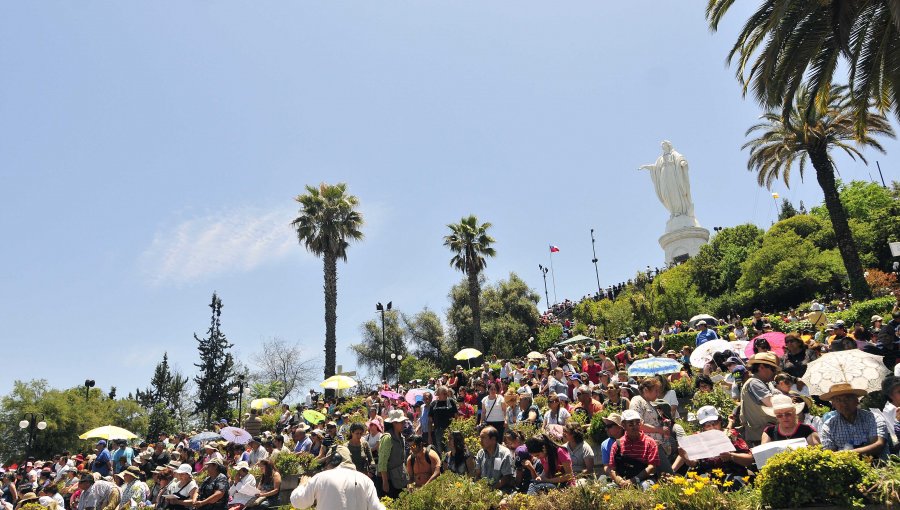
(108, 432)
(263, 403)
(468, 353)
(338, 382)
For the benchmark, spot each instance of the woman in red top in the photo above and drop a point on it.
(788, 427)
(555, 463)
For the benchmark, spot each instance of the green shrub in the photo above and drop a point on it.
(296, 463)
(679, 340)
(864, 310)
(350, 405)
(541, 402)
(597, 429)
(467, 427)
(809, 476)
(886, 488)
(447, 491)
(684, 387)
(527, 429)
(718, 398)
(269, 421)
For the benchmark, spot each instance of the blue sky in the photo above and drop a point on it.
(150, 153)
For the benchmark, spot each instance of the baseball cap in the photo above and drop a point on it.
(101, 442)
(630, 414)
(707, 414)
(185, 468)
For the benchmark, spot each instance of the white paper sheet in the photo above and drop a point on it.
(705, 445)
(248, 490)
(763, 452)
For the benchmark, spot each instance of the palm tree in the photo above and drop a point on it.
(471, 244)
(810, 130)
(328, 221)
(786, 43)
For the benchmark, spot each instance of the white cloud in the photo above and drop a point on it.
(234, 241)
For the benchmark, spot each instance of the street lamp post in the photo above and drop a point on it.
(398, 358)
(88, 384)
(594, 260)
(239, 390)
(32, 422)
(544, 272)
(382, 309)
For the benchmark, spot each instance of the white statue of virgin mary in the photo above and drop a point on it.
(670, 179)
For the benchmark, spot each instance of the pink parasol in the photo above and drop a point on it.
(775, 339)
(393, 395)
(235, 435)
(417, 392)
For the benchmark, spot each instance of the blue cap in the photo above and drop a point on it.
(101, 442)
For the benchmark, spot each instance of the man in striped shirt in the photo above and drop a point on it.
(634, 458)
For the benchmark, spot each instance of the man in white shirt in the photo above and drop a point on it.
(340, 486)
(242, 491)
(257, 452)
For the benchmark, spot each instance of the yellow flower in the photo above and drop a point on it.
(689, 491)
(729, 483)
(718, 473)
(699, 485)
(678, 480)
(606, 497)
(659, 506)
(655, 486)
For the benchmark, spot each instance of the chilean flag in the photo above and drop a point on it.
(554, 249)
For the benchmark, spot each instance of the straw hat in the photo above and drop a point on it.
(763, 358)
(781, 402)
(842, 389)
(613, 418)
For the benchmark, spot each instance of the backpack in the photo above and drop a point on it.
(428, 450)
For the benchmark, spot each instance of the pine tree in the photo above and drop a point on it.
(787, 210)
(216, 366)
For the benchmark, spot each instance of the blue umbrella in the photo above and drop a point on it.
(653, 366)
(206, 436)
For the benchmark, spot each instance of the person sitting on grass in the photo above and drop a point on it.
(852, 428)
(634, 458)
(731, 466)
(555, 463)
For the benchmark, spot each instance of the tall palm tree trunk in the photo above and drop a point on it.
(475, 303)
(844, 237)
(330, 261)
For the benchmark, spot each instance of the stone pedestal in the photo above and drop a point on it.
(683, 242)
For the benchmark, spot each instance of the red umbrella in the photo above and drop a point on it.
(775, 339)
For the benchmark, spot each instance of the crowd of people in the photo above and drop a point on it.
(531, 420)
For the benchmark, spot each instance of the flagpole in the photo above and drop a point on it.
(553, 277)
